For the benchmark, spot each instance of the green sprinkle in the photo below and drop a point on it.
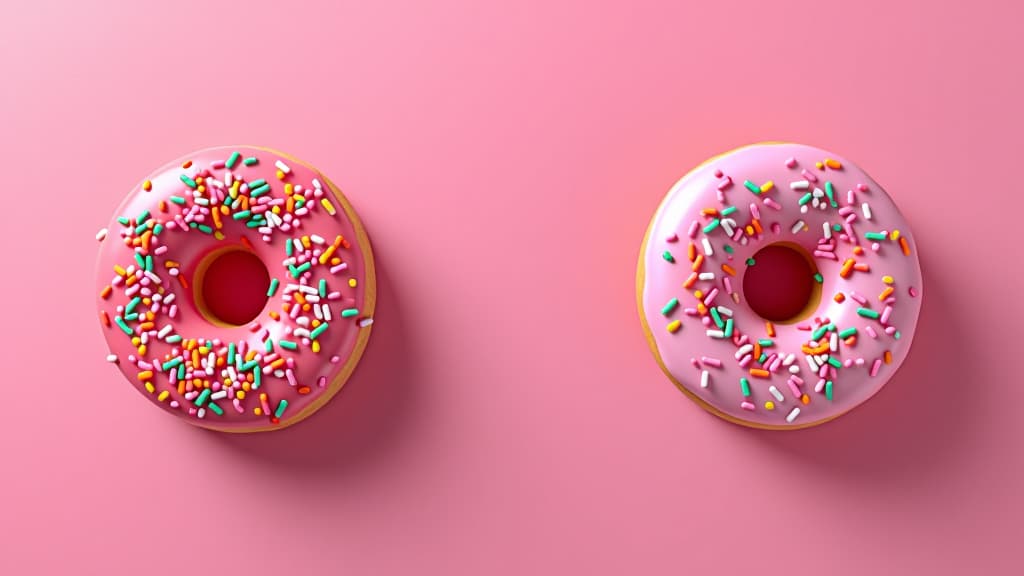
(250, 161)
(205, 228)
(254, 224)
(257, 183)
(728, 210)
(249, 365)
(835, 362)
(124, 327)
(728, 328)
(216, 409)
(257, 379)
(897, 335)
(203, 397)
(280, 408)
(750, 261)
(123, 221)
(847, 333)
(668, 257)
(717, 318)
(318, 331)
(189, 182)
(141, 228)
(821, 330)
(668, 308)
(178, 200)
(131, 317)
(868, 313)
(728, 249)
(349, 312)
(288, 345)
(288, 248)
(259, 191)
(766, 343)
(831, 193)
(231, 353)
(142, 217)
(149, 263)
(764, 356)
(298, 270)
(172, 363)
(173, 339)
(140, 260)
(132, 304)
(323, 288)
(711, 227)
(805, 199)
(837, 227)
(268, 346)
(828, 389)
(819, 278)
(752, 187)
(241, 215)
(875, 235)
(745, 386)
(181, 372)
(233, 159)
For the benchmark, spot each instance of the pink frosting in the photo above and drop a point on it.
(875, 273)
(223, 391)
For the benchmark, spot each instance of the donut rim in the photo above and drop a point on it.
(641, 276)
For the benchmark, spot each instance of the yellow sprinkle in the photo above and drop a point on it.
(240, 394)
(163, 395)
(224, 209)
(288, 189)
(305, 242)
(276, 209)
(218, 235)
(833, 164)
(699, 294)
(280, 175)
(769, 405)
(895, 235)
(120, 271)
(257, 411)
(328, 206)
(352, 282)
(767, 186)
(819, 165)
(142, 350)
(150, 388)
(147, 185)
(674, 326)
(234, 188)
(316, 346)
(887, 279)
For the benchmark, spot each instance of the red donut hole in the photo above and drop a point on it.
(232, 287)
(780, 286)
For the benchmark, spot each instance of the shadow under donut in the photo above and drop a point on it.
(918, 420)
(361, 420)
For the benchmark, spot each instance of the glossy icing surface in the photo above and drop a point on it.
(305, 342)
(701, 243)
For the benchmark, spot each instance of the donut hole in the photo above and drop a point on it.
(230, 286)
(780, 285)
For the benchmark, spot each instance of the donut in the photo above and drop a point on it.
(236, 289)
(778, 286)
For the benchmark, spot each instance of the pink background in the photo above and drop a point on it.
(508, 417)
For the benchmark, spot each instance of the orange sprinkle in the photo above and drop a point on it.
(691, 252)
(184, 283)
(147, 185)
(760, 373)
(851, 341)
(805, 399)
(145, 375)
(833, 164)
(904, 246)
(188, 164)
(757, 350)
(858, 250)
(821, 349)
(862, 267)
(709, 212)
(847, 268)
(757, 225)
(104, 318)
(690, 281)
(216, 218)
(304, 390)
(701, 308)
(346, 245)
(146, 326)
(728, 270)
(277, 364)
(770, 329)
(105, 293)
(885, 293)
(246, 242)
(839, 297)
(750, 230)
(887, 357)
(275, 315)
(698, 262)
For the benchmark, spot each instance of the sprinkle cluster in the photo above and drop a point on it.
(205, 377)
(827, 348)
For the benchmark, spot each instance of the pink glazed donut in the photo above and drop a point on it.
(236, 289)
(779, 286)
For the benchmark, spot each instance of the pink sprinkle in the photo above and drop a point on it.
(713, 362)
(794, 389)
(776, 227)
(827, 255)
(823, 371)
(335, 359)
(851, 198)
(820, 385)
(847, 363)
(691, 312)
(694, 226)
(884, 319)
(673, 237)
(746, 360)
(706, 320)
(860, 299)
(890, 330)
(912, 292)
(710, 297)
(728, 284)
(862, 187)
(322, 382)
(876, 366)
(790, 162)
(772, 204)
(747, 406)
(724, 184)
(809, 176)
(871, 331)
(696, 364)
(718, 173)
(291, 377)
(755, 211)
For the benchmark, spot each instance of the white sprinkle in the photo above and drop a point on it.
(316, 183)
(867, 210)
(793, 414)
(164, 331)
(729, 225)
(775, 392)
(219, 395)
(725, 311)
(826, 229)
(798, 226)
(704, 379)
(744, 350)
(201, 413)
(833, 342)
(794, 369)
(112, 358)
(706, 276)
(318, 313)
(819, 193)
(282, 167)
(707, 246)
(365, 322)
(716, 334)
(103, 233)
(799, 185)
(317, 239)
(788, 360)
